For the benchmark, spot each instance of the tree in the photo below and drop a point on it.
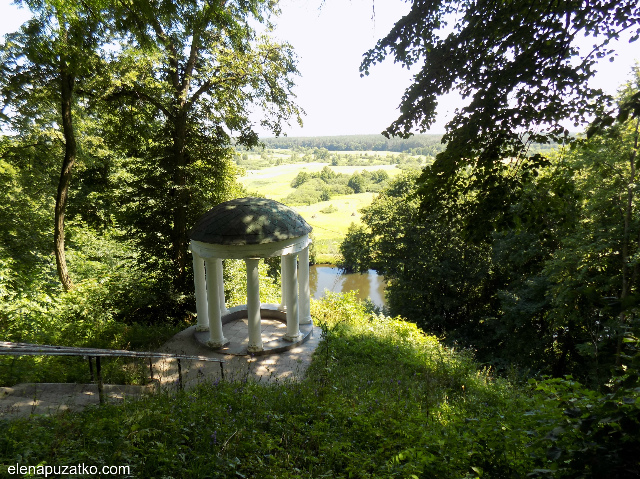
(42, 66)
(357, 183)
(355, 250)
(327, 174)
(300, 179)
(554, 289)
(379, 176)
(597, 278)
(517, 61)
(321, 153)
(29, 182)
(201, 67)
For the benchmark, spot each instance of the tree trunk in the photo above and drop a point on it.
(179, 233)
(66, 90)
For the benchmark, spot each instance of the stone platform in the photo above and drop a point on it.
(273, 329)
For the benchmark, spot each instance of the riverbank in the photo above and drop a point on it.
(326, 259)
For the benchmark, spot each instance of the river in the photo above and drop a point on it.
(327, 277)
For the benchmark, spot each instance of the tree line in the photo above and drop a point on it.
(430, 143)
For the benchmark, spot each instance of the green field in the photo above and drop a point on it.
(329, 228)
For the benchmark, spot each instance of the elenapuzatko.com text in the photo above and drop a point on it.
(75, 469)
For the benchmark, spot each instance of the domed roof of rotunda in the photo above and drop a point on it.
(246, 221)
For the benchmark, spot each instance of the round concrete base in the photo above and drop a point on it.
(273, 322)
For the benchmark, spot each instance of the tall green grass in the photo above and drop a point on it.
(381, 399)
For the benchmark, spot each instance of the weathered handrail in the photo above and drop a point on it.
(26, 349)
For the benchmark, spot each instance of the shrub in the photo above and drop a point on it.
(328, 209)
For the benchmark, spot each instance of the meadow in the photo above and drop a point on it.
(329, 219)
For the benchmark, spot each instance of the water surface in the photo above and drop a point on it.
(327, 277)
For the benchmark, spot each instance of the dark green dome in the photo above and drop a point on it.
(246, 221)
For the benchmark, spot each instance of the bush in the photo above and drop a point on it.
(96, 313)
(327, 210)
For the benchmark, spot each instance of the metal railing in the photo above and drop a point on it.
(26, 349)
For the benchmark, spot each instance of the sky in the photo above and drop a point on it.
(330, 38)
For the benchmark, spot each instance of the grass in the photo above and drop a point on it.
(328, 229)
(381, 400)
(275, 182)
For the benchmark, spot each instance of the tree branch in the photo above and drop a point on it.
(204, 88)
(191, 62)
(162, 38)
(141, 95)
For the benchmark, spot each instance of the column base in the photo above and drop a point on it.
(202, 328)
(293, 338)
(217, 344)
(307, 320)
(237, 347)
(255, 349)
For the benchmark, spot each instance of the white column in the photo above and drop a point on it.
(283, 282)
(253, 306)
(303, 287)
(293, 325)
(201, 292)
(223, 306)
(216, 338)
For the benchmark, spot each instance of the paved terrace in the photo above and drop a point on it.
(24, 400)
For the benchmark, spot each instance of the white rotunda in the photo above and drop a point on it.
(250, 229)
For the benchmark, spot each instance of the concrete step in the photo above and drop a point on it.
(23, 400)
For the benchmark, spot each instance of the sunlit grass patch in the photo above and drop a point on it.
(329, 229)
(275, 182)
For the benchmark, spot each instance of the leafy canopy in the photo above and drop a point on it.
(517, 62)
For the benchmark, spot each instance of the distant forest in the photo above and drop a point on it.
(428, 145)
